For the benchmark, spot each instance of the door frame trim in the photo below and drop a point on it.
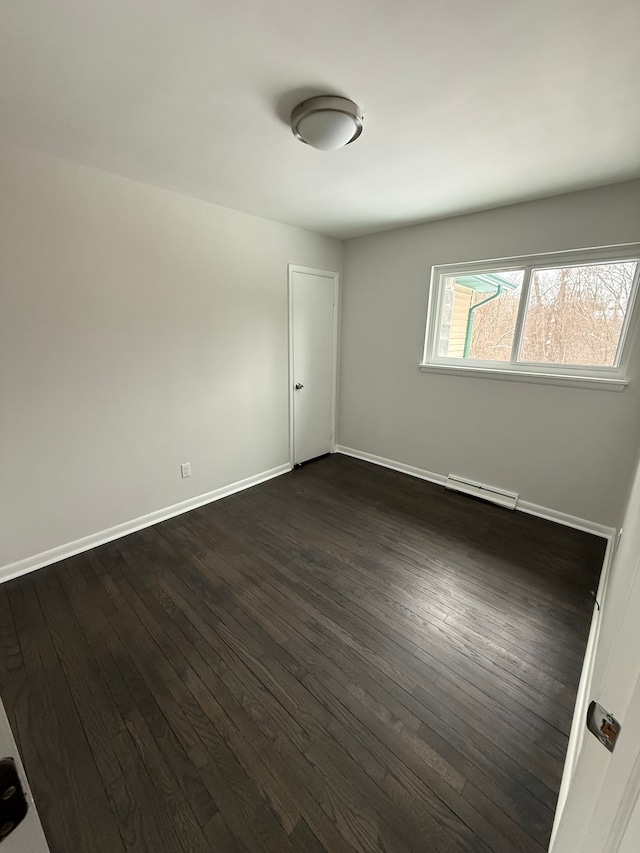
(335, 277)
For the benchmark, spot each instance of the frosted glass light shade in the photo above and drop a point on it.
(327, 130)
(327, 122)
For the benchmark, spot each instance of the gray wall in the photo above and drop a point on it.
(138, 329)
(571, 450)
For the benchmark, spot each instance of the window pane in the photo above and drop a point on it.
(575, 314)
(479, 313)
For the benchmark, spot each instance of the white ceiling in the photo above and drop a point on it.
(467, 104)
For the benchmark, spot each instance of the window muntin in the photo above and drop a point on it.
(564, 314)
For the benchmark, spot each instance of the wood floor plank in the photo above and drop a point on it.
(130, 696)
(376, 616)
(338, 732)
(13, 681)
(355, 676)
(341, 660)
(233, 791)
(445, 714)
(192, 637)
(88, 817)
(325, 729)
(446, 657)
(497, 576)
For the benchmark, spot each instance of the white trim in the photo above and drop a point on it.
(420, 473)
(312, 271)
(592, 382)
(628, 802)
(54, 555)
(567, 520)
(578, 728)
(293, 268)
(587, 254)
(336, 344)
(29, 834)
(523, 307)
(292, 425)
(523, 506)
(573, 374)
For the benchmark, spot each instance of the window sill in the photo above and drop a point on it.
(567, 380)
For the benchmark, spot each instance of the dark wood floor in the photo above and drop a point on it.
(342, 659)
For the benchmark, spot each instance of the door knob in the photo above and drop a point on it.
(299, 386)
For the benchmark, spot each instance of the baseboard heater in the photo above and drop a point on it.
(481, 490)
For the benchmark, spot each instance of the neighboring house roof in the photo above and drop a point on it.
(485, 282)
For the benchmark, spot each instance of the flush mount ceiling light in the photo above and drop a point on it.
(327, 122)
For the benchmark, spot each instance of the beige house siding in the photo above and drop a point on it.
(461, 305)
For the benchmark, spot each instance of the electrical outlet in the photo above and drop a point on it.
(185, 469)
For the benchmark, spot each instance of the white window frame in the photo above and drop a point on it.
(608, 378)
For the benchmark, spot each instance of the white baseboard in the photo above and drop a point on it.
(54, 555)
(568, 520)
(61, 552)
(523, 506)
(420, 473)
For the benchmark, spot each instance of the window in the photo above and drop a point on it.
(561, 318)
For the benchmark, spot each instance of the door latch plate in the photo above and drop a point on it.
(13, 803)
(603, 725)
